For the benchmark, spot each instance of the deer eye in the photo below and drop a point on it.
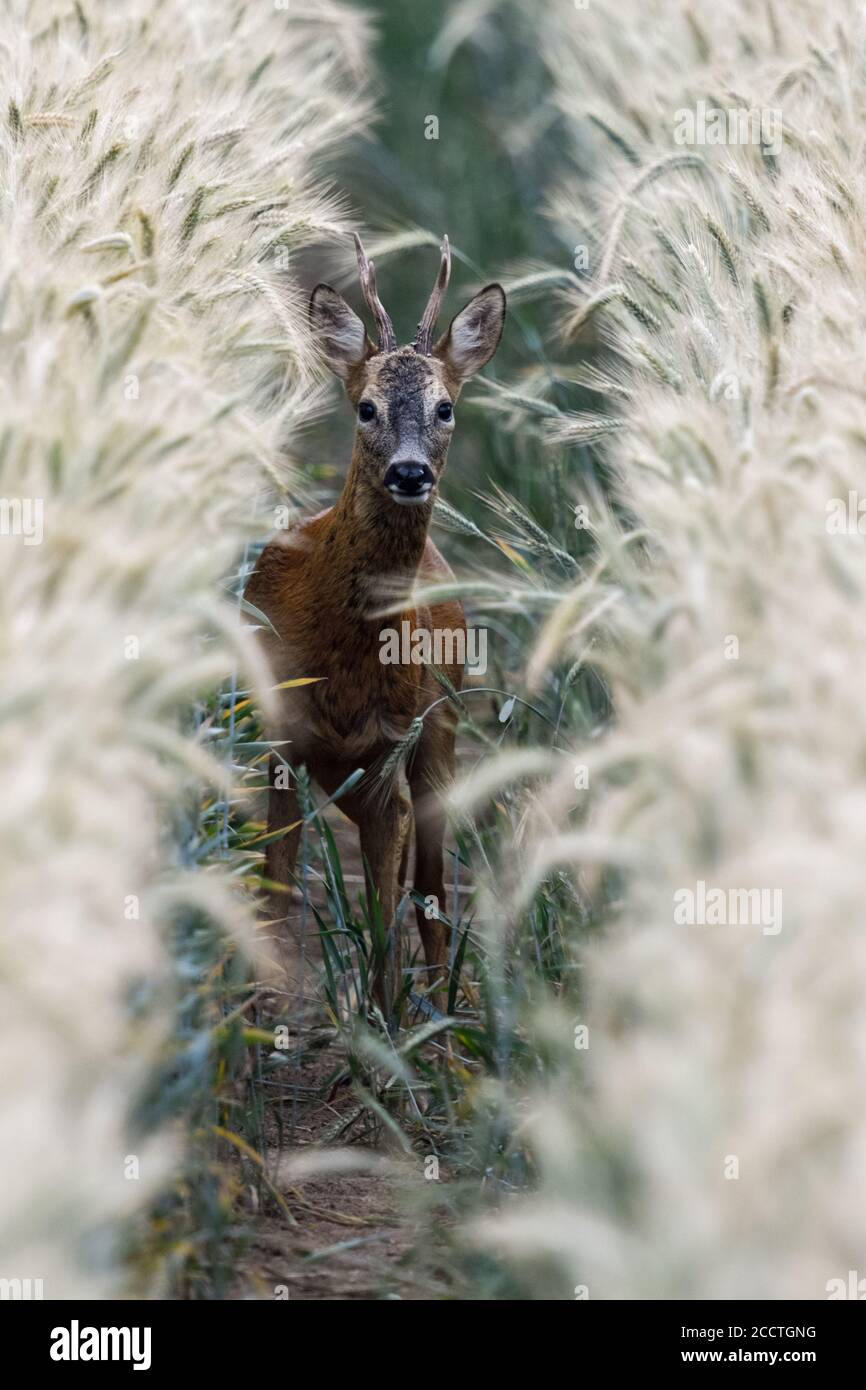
(366, 411)
(445, 411)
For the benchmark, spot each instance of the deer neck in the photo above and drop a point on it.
(376, 546)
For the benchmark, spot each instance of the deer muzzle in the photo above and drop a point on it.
(410, 481)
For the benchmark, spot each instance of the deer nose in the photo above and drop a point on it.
(409, 479)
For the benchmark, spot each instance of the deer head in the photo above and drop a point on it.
(404, 396)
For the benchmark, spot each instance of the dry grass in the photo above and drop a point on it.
(161, 162)
(709, 1141)
(728, 623)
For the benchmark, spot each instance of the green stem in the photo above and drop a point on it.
(490, 690)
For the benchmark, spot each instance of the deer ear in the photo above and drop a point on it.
(341, 334)
(474, 334)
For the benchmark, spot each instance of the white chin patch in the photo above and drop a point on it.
(406, 501)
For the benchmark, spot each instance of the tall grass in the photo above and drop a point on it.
(637, 509)
(161, 162)
(705, 1136)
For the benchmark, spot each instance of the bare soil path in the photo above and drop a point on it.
(347, 1232)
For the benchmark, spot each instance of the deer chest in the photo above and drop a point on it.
(360, 702)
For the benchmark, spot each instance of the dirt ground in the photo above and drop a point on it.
(342, 1233)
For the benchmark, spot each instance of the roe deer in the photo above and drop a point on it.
(319, 583)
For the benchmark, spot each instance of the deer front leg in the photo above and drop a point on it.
(430, 776)
(383, 833)
(280, 854)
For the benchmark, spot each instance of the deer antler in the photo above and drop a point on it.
(424, 336)
(367, 276)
